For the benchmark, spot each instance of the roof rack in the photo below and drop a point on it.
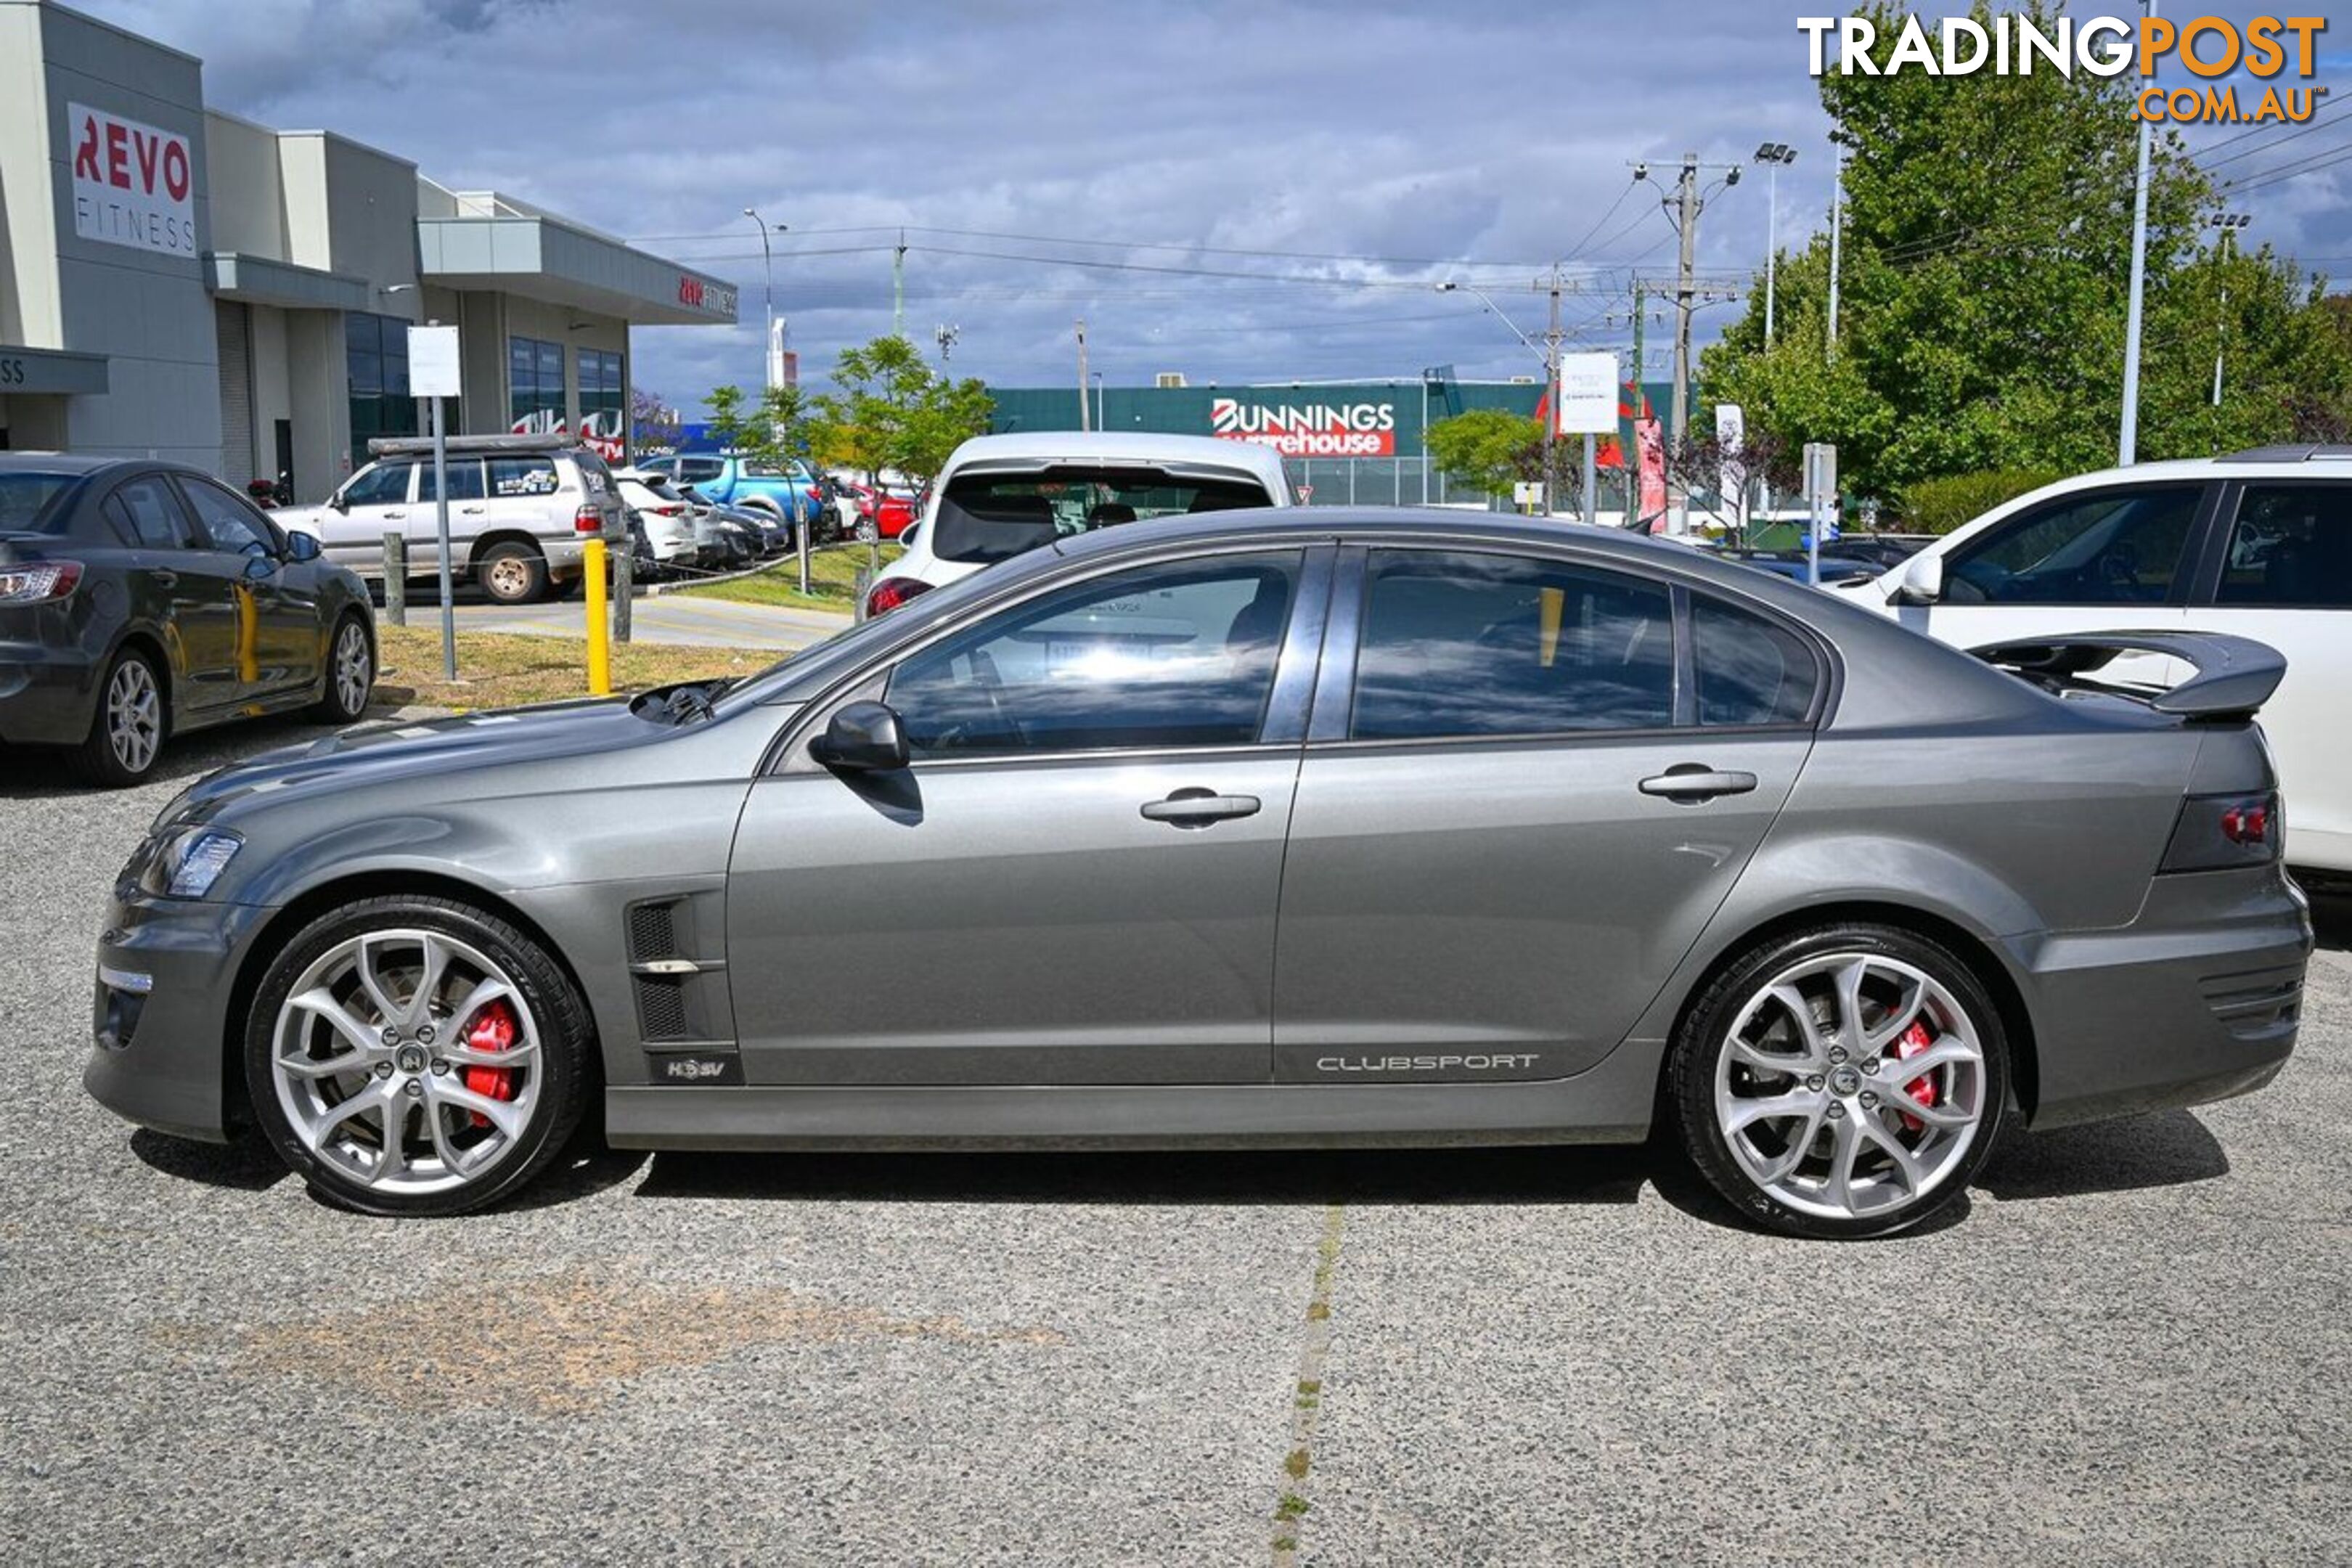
(421, 445)
(2292, 452)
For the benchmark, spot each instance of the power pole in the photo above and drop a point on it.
(1551, 397)
(1630, 454)
(1688, 223)
(898, 287)
(1084, 421)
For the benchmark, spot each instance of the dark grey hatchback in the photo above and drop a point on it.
(140, 599)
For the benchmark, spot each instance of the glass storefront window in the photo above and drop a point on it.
(375, 359)
(535, 377)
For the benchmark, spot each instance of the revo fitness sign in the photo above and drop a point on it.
(1308, 429)
(132, 184)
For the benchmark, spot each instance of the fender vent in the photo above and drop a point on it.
(661, 1007)
(653, 933)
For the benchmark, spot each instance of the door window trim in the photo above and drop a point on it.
(188, 486)
(2221, 521)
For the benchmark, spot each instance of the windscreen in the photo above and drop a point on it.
(29, 503)
(990, 516)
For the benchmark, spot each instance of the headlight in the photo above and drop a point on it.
(189, 861)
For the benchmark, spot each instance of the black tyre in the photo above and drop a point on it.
(512, 574)
(417, 1056)
(127, 727)
(1844, 1081)
(349, 675)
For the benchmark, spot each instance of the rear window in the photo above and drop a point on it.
(990, 517)
(29, 503)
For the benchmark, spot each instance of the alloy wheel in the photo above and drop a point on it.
(354, 667)
(134, 716)
(407, 1061)
(1851, 1085)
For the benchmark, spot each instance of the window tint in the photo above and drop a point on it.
(1750, 671)
(696, 471)
(523, 476)
(2292, 545)
(28, 500)
(1176, 655)
(150, 514)
(2117, 547)
(383, 484)
(464, 480)
(990, 516)
(233, 525)
(1504, 644)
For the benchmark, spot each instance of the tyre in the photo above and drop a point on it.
(1844, 1081)
(349, 675)
(512, 574)
(127, 726)
(415, 1055)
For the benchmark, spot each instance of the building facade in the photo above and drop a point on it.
(180, 282)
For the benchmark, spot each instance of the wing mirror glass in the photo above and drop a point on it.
(864, 737)
(1923, 578)
(300, 546)
(338, 501)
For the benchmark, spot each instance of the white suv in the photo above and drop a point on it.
(1002, 495)
(521, 507)
(2258, 543)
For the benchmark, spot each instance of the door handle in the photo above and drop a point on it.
(393, 516)
(470, 511)
(1690, 782)
(1199, 807)
(165, 579)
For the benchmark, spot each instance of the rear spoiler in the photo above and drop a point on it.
(2235, 676)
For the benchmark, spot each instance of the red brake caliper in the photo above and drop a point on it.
(1909, 1044)
(491, 1029)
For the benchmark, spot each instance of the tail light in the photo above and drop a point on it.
(892, 592)
(2218, 832)
(587, 520)
(668, 510)
(39, 583)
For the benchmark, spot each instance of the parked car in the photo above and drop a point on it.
(882, 513)
(999, 496)
(768, 533)
(2258, 543)
(792, 492)
(142, 600)
(520, 508)
(1797, 568)
(1269, 829)
(665, 516)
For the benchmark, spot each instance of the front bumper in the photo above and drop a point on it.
(2197, 1000)
(166, 971)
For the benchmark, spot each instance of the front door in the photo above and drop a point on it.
(1076, 880)
(374, 503)
(279, 646)
(1516, 820)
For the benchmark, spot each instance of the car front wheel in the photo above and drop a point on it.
(414, 1055)
(1845, 1081)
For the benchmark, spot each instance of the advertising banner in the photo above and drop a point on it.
(132, 184)
(1651, 439)
(1308, 429)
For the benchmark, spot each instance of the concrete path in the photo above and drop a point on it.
(671, 619)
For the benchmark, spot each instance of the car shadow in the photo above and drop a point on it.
(2164, 1149)
(2331, 917)
(41, 772)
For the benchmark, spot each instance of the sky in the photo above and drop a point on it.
(1259, 191)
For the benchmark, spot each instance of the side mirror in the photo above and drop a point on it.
(337, 503)
(862, 737)
(301, 546)
(1923, 579)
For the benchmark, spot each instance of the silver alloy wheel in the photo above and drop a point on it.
(370, 1057)
(1817, 1100)
(511, 576)
(354, 669)
(134, 715)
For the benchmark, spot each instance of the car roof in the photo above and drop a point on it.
(73, 463)
(1132, 446)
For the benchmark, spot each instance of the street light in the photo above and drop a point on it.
(1548, 351)
(1772, 156)
(2229, 224)
(768, 296)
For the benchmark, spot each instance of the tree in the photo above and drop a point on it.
(891, 410)
(1487, 449)
(653, 423)
(772, 428)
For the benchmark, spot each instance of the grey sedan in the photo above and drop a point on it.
(1260, 828)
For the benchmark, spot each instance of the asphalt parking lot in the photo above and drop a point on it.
(2130, 1347)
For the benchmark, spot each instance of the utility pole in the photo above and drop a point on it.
(1631, 451)
(1084, 422)
(1684, 206)
(2128, 443)
(898, 287)
(1551, 399)
(1837, 235)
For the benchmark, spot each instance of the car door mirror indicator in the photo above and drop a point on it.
(862, 737)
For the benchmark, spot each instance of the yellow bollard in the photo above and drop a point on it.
(600, 645)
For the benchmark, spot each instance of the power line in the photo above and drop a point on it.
(2316, 124)
(2327, 158)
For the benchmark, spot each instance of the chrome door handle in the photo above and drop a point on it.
(1199, 807)
(1688, 781)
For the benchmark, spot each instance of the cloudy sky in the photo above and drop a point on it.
(1236, 189)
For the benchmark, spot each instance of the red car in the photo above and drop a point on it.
(891, 512)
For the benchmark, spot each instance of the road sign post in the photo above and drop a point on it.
(1586, 398)
(433, 372)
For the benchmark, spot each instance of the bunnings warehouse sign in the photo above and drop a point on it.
(1308, 429)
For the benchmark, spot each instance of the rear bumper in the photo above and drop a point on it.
(160, 1015)
(2198, 1000)
(47, 700)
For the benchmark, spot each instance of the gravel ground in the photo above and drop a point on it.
(2131, 1348)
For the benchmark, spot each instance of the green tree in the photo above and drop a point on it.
(772, 427)
(891, 410)
(1487, 449)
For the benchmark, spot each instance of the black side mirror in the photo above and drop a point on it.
(337, 503)
(300, 546)
(864, 737)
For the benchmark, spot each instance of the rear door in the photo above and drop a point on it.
(196, 588)
(1529, 783)
(2280, 571)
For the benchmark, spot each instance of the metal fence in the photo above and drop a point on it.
(1373, 481)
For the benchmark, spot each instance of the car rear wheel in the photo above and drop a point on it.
(414, 1055)
(1845, 1081)
(512, 574)
(351, 673)
(127, 731)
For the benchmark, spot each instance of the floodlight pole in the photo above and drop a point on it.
(2129, 443)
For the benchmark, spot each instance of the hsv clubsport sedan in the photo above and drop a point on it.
(1272, 828)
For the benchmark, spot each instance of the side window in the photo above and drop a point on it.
(523, 476)
(1472, 644)
(2292, 545)
(146, 509)
(1749, 670)
(234, 526)
(380, 484)
(2113, 547)
(699, 470)
(1174, 655)
(464, 480)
